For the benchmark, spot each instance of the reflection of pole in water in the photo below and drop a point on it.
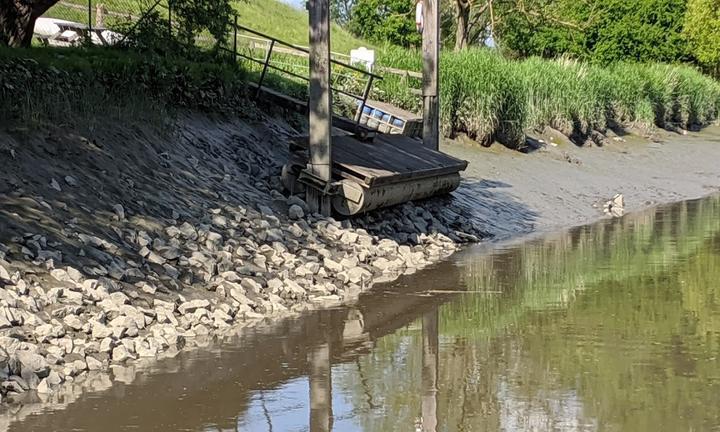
(430, 371)
(320, 389)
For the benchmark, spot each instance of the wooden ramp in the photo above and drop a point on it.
(387, 159)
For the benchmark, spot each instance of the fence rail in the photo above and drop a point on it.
(100, 8)
(275, 45)
(263, 42)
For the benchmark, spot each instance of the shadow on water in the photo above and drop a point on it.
(610, 326)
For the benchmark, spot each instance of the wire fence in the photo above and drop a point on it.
(99, 14)
(105, 22)
(101, 22)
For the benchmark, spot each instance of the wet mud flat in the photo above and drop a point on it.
(561, 185)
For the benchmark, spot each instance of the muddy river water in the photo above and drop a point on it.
(613, 326)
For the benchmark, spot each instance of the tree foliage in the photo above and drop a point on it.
(702, 30)
(603, 31)
(341, 10)
(196, 16)
(390, 21)
(190, 19)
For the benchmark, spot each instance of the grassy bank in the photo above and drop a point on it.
(483, 95)
(488, 97)
(77, 85)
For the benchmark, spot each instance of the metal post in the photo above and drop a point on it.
(90, 26)
(431, 74)
(320, 166)
(366, 95)
(235, 29)
(169, 20)
(265, 67)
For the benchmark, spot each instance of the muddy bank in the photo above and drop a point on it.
(560, 185)
(133, 242)
(130, 243)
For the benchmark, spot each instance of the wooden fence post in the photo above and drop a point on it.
(320, 135)
(100, 12)
(431, 74)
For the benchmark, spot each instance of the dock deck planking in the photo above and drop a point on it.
(389, 159)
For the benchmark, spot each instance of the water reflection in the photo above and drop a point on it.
(320, 388)
(614, 326)
(430, 350)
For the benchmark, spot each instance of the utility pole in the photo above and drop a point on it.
(431, 74)
(320, 166)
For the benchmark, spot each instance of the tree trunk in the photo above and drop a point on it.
(462, 9)
(17, 20)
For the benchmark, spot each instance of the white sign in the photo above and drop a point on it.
(363, 56)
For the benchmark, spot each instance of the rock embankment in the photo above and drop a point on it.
(89, 294)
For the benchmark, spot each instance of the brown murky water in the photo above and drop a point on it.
(614, 326)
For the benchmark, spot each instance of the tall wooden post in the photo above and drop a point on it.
(431, 74)
(320, 166)
(429, 375)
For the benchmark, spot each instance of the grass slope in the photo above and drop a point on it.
(75, 86)
(287, 23)
(271, 17)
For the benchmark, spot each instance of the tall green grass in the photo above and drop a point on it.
(491, 98)
(78, 86)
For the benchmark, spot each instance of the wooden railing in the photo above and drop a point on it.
(260, 42)
(275, 45)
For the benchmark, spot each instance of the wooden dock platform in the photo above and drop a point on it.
(384, 171)
(387, 159)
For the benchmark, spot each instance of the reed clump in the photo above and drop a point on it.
(491, 98)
